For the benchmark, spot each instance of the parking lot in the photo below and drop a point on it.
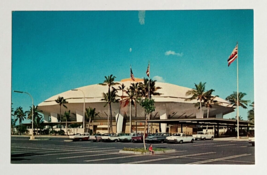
(56, 150)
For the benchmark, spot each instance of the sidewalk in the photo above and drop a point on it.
(231, 139)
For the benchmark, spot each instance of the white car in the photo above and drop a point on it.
(79, 136)
(125, 137)
(110, 137)
(179, 138)
(252, 141)
(202, 136)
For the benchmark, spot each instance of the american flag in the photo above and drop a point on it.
(132, 75)
(233, 56)
(148, 71)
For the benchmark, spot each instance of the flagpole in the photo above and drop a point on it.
(131, 104)
(149, 91)
(237, 111)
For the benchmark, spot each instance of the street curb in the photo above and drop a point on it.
(49, 136)
(231, 139)
(148, 153)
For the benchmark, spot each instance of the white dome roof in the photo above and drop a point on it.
(170, 93)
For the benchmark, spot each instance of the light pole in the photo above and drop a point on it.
(83, 108)
(32, 137)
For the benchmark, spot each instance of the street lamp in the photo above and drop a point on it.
(83, 108)
(32, 137)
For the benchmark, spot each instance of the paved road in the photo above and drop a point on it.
(55, 150)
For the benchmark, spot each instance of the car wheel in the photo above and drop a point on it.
(192, 141)
(115, 140)
(80, 139)
(162, 141)
(181, 141)
(211, 138)
(204, 138)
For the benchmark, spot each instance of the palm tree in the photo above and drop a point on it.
(20, 115)
(90, 114)
(109, 98)
(251, 113)
(66, 116)
(210, 101)
(61, 101)
(233, 99)
(109, 81)
(36, 115)
(129, 99)
(148, 88)
(38, 123)
(149, 107)
(198, 93)
(13, 125)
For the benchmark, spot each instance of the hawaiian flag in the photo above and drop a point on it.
(148, 71)
(233, 56)
(132, 75)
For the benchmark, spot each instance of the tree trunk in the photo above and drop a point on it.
(110, 120)
(89, 122)
(130, 116)
(66, 127)
(207, 117)
(144, 136)
(60, 116)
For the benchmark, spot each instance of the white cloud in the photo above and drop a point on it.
(158, 78)
(170, 52)
(141, 16)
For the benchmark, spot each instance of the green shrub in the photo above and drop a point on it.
(53, 132)
(61, 132)
(22, 129)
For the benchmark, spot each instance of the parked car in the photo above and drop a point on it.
(95, 138)
(110, 137)
(159, 137)
(180, 138)
(125, 137)
(202, 136)
(138, 137)
(79, 136)
(252, 141)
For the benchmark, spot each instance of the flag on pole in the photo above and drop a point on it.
(233, 56)
(148, 71)
(132, 75)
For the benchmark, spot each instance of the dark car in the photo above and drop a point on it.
(138, 137)
(159, 137)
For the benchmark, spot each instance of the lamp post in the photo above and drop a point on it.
(83, 108)
(32, 137)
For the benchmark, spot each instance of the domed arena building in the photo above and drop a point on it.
(172, 113)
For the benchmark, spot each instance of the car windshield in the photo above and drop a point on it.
(177, 134)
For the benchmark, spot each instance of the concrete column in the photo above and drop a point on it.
(214, 131)
(119, 121)
(79, 116)
(46, 117)
(53, 117)
(163, 125)
(218, 129)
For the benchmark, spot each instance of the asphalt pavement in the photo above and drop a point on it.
(56, 150)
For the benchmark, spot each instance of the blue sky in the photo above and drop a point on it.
(53, 52)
